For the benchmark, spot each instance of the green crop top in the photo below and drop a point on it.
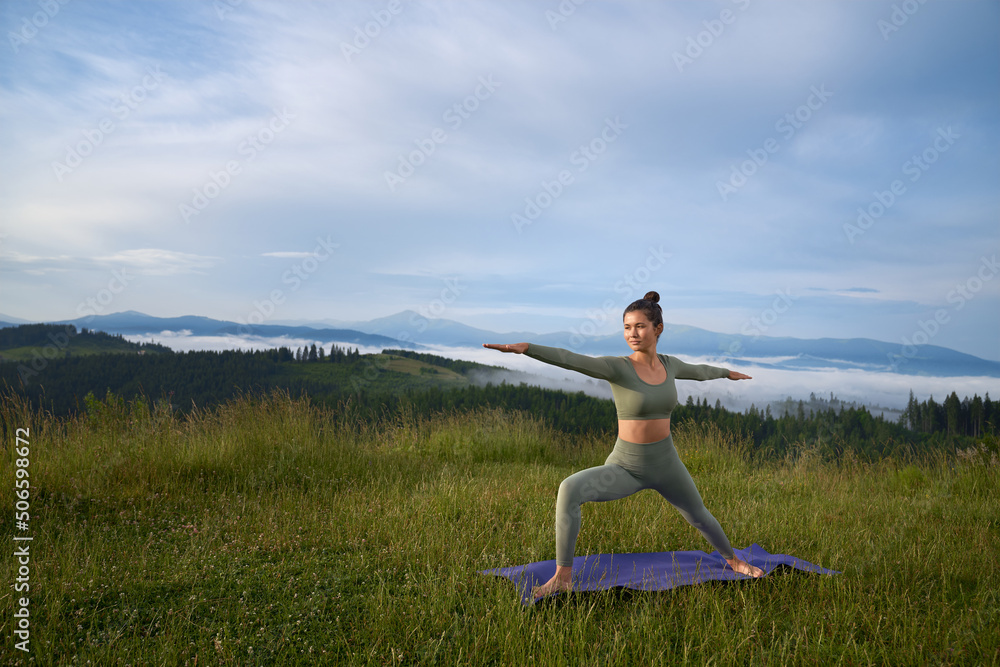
(634, 397)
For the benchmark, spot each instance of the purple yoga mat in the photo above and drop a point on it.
(649, 571)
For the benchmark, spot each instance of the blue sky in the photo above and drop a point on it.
(510, 165)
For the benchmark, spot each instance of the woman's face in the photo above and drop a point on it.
(639, 331)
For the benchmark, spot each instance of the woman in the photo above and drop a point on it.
(644, 456)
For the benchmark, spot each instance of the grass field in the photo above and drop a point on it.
(273, 532)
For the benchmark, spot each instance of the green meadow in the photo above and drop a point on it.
(271, 531)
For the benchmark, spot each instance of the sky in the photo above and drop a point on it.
(821, 169)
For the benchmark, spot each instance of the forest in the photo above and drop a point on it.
(401, 382)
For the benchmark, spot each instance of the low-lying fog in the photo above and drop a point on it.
(880, 390)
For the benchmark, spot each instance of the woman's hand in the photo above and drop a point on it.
(735, 375)
(518, 348)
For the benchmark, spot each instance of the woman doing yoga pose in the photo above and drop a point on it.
(644, 456)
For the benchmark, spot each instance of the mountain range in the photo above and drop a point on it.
(410, 330)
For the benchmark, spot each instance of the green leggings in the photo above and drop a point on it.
(632, 467)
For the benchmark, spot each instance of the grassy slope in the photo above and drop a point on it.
(371, 373)
(78, 345)
(277, 533)
(386, 362)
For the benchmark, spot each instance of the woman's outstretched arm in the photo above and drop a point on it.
(601, 368)
(685, 371)
(517, 348)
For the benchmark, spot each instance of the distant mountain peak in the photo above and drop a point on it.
(411, 329)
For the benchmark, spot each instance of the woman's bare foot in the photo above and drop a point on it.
(560, 581)
(745, 568)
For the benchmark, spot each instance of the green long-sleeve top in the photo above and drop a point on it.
(634, 397)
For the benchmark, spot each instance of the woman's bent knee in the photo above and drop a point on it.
(586, 486)
(569, 491)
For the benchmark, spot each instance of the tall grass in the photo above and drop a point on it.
(269, 531)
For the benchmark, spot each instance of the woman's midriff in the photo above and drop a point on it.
(643, 431)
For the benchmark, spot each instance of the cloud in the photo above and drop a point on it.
(144, 261)
(289, 254)
(157, 262)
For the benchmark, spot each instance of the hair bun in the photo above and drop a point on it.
(652, 296)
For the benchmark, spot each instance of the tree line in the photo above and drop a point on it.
(375, 391)
(830, 432)
(337, 354)
(185, 379)
(34, 345)
(973, 417)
